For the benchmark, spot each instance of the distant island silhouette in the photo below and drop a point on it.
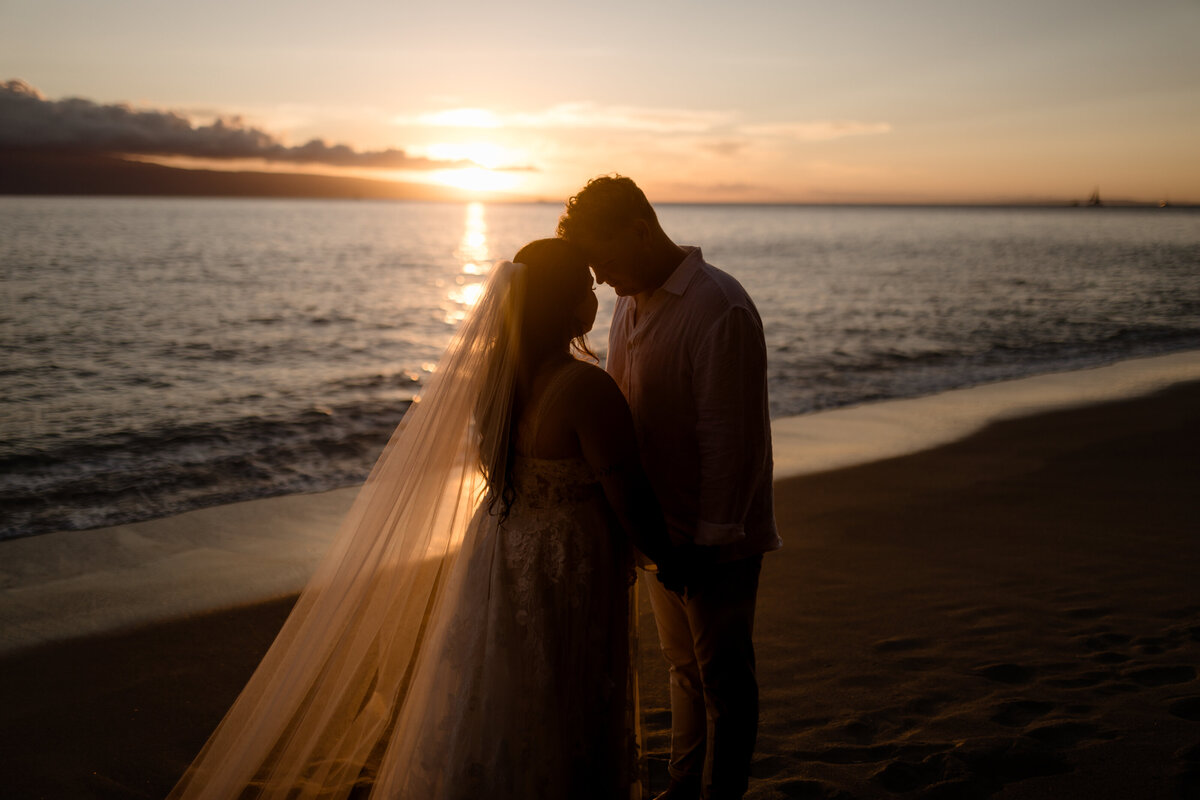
(26, 172)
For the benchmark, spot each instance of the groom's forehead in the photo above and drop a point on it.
(597, 251)
(600, 245)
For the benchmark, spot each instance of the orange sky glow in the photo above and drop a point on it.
(765, 102)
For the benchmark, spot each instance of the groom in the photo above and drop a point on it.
(686, 347)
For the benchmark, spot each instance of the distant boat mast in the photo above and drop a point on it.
(1095, 201)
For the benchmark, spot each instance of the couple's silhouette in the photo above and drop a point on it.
(469, 634)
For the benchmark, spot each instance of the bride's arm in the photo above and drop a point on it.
(604, 426)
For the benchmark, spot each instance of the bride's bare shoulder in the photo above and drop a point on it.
(593, 388)
(600, 418)
(586, 375)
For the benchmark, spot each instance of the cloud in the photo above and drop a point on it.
(461, 118)
(816, 131)
(580, 115)
(634, 119)
(29, 121)
(724, 147)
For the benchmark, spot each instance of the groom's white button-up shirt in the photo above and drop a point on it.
(691, 359)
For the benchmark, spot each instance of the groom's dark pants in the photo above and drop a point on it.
(706, 638)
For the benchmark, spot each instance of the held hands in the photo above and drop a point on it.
(671, 576)
(686, 568)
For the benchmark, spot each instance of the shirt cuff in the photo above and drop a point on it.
(713, 533)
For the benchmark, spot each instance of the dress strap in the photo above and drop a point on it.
(554, 388)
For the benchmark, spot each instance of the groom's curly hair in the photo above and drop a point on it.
(603, 206)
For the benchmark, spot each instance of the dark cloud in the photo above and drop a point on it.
(29, 121)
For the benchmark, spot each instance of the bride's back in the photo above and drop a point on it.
(556, 399)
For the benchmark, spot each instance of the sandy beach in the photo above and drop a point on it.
(1008, 612)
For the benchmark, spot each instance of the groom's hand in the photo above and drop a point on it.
(671, 577)
(673, 569)
(687, 569)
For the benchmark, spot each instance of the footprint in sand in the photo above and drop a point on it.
(868, 680)
(1182, 613)
(769, 766)
(1189, 775)
(861, 730)
(900, 644)
(1083, 680)
(1011, 761)
(1154, 645)
(850, 754)
(905, 645)
(1116, 687)
(1161, 676)
(973, 769)
(1063, 734)
(1089, 612)
(927, 705)
(811, 790)
(1007, 673)
(899, 777)
(868, 754)
(1018, 713)
(1186, 708)
(1105, 641)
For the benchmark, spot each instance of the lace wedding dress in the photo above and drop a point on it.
(526, 693)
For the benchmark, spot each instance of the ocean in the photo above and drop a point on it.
(167, 354)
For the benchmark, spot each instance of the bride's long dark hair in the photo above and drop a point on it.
(543, 322)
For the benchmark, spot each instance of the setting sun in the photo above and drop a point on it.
(477, 179)
(491, 173)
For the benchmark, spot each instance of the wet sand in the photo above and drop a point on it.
(1014, 615)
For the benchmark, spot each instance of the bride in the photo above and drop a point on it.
(469, 632)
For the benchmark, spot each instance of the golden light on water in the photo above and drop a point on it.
(466, 295)
(475, 255)
(473, 249)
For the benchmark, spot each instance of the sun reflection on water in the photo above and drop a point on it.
(475, 255)
(473, 249)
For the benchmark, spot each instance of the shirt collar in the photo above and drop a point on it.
(679, 280)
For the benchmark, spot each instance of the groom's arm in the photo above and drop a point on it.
(604, 427)
(730, 388)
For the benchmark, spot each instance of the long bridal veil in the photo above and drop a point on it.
(316, 717)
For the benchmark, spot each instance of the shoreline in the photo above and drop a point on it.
(861, 434)
(59, 586)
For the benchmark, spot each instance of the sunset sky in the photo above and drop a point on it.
(751, 101)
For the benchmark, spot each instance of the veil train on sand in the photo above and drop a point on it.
(315, 717)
